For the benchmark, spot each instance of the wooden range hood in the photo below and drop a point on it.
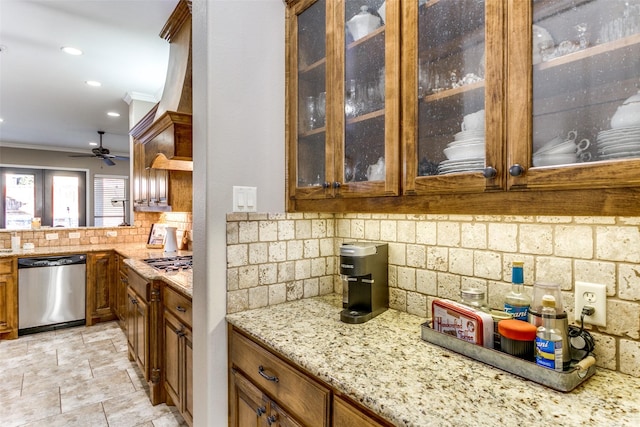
(166, 130)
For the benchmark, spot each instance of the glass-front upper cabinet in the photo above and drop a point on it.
(580, 93)
(452, 80)
(307, 98)
(343, 101)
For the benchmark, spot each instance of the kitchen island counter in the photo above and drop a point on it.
(388, 368)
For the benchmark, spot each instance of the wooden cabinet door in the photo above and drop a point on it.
(173, 332)
(8, 299)
(453, 68)
(100, 287)
(247, 405)
(138, 331)
(569, 83)
(142, 336)
(347, 415)
(339, 146)
(187, 411)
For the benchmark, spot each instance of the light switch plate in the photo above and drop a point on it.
(51, 236)
(112, 233)
(74, 234)
(245, 199)
(592, 295)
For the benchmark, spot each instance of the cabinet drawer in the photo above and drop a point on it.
(178, 305)
(6, 266)
(302, 397)
(139, 285)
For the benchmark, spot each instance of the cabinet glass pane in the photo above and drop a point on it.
(364, 82)
(312, 95)
(451, 117)
(586, 104)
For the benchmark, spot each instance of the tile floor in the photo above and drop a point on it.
(76, 377)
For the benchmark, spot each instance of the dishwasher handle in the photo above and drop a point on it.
(52, 261)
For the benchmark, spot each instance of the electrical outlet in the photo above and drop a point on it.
(112, 233)
(51, 236)
(592, 295)
(74, 234)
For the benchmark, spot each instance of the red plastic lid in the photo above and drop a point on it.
(517, 330)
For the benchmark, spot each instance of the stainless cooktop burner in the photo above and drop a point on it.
(167, 264)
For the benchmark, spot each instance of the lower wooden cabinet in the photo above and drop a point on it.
(266, 390)
(303, 398)
(144, 331)
(178, 352)
(9, 298)
(101, 267)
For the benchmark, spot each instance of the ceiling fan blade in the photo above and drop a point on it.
(120, 157)
(82, 155)
(108, 161)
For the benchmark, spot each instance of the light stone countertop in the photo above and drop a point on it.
(387, 367)
(134, 254)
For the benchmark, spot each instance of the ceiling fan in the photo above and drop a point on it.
(102, 153)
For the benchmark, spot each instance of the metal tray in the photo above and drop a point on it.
(561, 381)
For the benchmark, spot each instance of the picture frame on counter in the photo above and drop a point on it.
(157, 235)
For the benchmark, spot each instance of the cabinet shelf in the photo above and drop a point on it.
(449, 93)
(365, 117)
(619, 57)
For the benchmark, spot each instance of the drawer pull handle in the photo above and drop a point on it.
(261, 410)
(272, 419)
(181, 309)
(265, 376)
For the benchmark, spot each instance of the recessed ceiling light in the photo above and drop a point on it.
(113, 114)
(71, 50)
(1, 120)
(93, 83)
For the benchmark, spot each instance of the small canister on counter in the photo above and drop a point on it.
(517, 338)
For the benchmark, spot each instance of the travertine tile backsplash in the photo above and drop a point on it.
(273, 258)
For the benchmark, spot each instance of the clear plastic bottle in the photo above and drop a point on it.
(548, 339)
(516, 302)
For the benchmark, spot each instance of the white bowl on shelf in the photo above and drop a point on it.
(465, 151)
(628, 114)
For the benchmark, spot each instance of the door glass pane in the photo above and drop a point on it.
(364, 82)
(66, 208)
(586, 104)
(312, 95)
(20, 193)
(451, 59)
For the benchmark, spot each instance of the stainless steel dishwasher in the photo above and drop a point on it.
(51, 293)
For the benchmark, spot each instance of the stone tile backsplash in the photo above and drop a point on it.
(273, 258)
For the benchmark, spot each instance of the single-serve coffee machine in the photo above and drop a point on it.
(364, 272)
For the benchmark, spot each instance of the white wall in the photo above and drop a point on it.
(238, 139)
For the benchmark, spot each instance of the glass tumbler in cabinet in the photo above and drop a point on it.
(309, 96)
(585, 113)
(450, 121)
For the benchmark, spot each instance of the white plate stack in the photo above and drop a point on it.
(466, 153)
(619, 143)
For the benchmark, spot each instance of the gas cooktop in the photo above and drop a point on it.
(167, 264)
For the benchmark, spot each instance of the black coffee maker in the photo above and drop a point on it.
(364, 273)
